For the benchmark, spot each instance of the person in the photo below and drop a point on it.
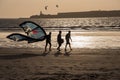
(48, 41)
(59, 40)
(68, 38)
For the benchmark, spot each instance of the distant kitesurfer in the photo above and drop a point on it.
(59, 40)
(46, 7)
(48, 41)
(68, 38)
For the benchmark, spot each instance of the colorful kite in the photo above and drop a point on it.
(34, 33)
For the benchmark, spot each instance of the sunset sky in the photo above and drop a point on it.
(26, 8)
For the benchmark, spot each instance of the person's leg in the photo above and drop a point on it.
(66, 47)
(46, 46)
(70, 46)
(59, 45)
(49, 46)
(67, 42)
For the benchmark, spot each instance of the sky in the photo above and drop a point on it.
(26, 8)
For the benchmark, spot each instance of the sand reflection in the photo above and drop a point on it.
(81, 41)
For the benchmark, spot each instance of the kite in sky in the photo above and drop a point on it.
(34, 33)
(46, 7)
(57, 6)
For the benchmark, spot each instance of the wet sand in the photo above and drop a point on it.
(78, 64)
(97, 39)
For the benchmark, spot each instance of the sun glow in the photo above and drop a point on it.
(81, 41)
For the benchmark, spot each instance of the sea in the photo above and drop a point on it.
(74, 24)
(97, 32)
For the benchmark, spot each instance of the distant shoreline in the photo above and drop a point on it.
(87, 14)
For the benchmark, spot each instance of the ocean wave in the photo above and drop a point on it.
(106, 23)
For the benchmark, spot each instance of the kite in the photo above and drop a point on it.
(57, 6)
(46, 7)
(34, 33)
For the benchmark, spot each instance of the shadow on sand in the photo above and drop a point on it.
(45, 53)
(27, 55)
(20, 56)
(23, 55)
(58, 53)
(67, 53)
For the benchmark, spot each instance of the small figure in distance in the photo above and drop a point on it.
(59, 40)
(68, 38)
(48, 41)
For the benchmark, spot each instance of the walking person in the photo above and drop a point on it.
(59, 40)
(68, 38)
(48, 41)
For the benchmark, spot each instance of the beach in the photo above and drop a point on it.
(78, 64)
(89, 61)
(95, 51)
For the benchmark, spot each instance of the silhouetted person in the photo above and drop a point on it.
(48, 41)
(68, 38)
(59, 40)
